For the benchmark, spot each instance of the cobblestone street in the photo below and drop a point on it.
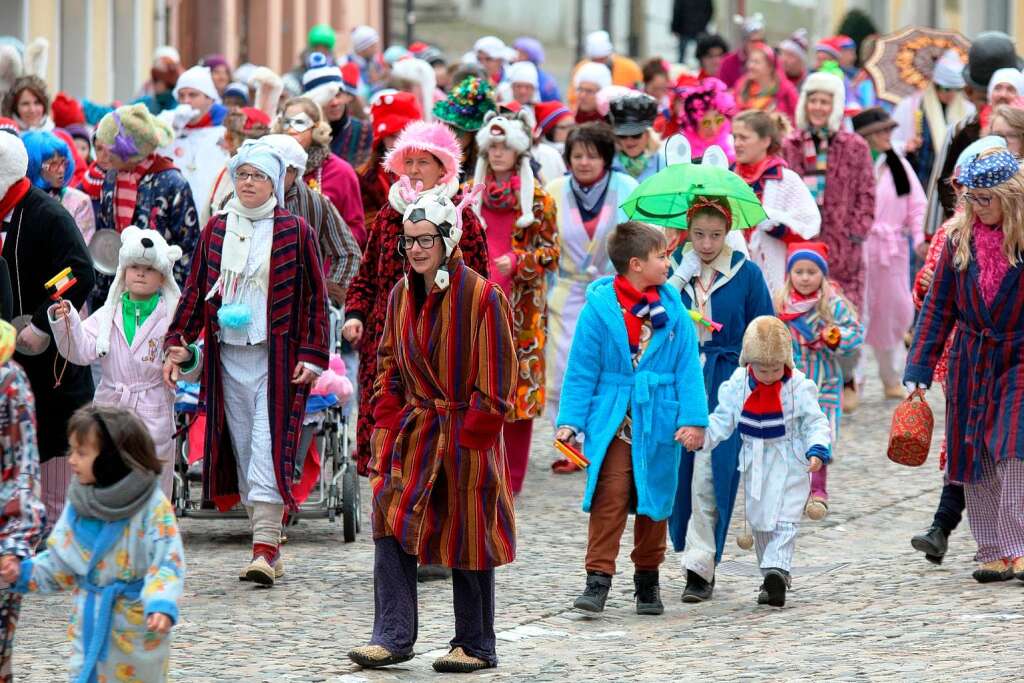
(865, 606)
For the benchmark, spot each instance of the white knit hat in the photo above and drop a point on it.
(13, 162)
(145, 248)
(364, 37)
(198, 78)
(593, 72)
(514, 131)
(492, 46)
(290, 150)
(1008, 75)
(821, 81)
(599, 45)
(523, 72)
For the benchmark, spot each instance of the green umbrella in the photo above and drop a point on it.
(664, 198)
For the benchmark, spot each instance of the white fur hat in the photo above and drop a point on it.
(138, 247)
(13, 161)
(523, 72)
(820, 81)
(514, 131)
(418, 71)
(767, 340)
(593, 72)
(198, 78)
(599, 45)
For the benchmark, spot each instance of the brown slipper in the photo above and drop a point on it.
(376, 656)
(458, 662)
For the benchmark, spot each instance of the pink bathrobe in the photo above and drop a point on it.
(890, 306)
(132, 376)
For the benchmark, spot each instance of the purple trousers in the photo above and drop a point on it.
(995, 509)
(396, 613)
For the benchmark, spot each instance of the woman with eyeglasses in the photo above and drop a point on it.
(426, 159)
(703, 113)
(50, 167)
(587, 205)
(837, 167)
(326, 172)
(899, 216)
(256, 294)
(976, 291)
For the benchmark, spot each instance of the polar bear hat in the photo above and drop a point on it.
(138, 248)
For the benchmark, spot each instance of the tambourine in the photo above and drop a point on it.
(20, 323)
(104, 248)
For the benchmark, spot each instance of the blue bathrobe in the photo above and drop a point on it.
(663, 393)
(737, 297)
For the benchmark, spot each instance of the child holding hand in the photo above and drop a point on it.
(783, 434)
(633, 386)
(117, 547)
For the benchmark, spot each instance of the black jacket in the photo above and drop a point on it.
(690, 18)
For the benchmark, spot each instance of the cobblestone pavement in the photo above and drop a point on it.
(880, 612)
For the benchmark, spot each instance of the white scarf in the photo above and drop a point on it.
(235, 250)
(400, 203)
(937, 122)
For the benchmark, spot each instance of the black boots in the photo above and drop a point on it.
(647, 592)
(697, 588)
(596, 593)
(933, 543)
(773, 590)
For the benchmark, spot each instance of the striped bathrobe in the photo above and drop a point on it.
(446, 377)
(985, 385)
(296, 332)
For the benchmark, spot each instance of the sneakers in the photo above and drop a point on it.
(933, 543)
(458, 661)
(990, 572)
(432, 572)
(648, 593)
(697, 588)
(596, 593)
(773, 590)
(816, 509)
(376, 656)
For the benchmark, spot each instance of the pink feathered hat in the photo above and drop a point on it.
(421, 136)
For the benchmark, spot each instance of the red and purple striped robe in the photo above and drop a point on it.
(296, 333)
(446, 379)
(985, 388)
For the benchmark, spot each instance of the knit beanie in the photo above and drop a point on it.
(138, 248)
(66, 110)
(599, 45)
(515, 133)
(467, 104)
(132, 132)
(364, 37)
(523, 72)
(322, 79)
(592, 72)
(13, 161)
(198, 78)
(796, 43)
(815, 252)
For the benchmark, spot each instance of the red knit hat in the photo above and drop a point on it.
(350, 78)
(392, 112)
(9, 125)
(815, 252)
(548, 114)
(65, 110)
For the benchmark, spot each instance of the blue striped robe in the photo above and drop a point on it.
(985, 391)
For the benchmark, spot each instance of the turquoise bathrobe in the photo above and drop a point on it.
(665, 392)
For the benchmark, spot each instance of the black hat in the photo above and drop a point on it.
(990, 51)
(633, 114)
(871, 121)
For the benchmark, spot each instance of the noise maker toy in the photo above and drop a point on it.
(60, 283)
(699, 318)
(571, 454)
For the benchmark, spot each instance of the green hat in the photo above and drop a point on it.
(467, 104)
(136, 128)
(321, 34)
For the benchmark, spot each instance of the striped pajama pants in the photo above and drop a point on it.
(995, 509)
(775, 548)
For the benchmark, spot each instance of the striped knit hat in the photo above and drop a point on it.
(815, 252)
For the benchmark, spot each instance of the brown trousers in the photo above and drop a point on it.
(614, 496)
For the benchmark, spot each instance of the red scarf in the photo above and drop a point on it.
(205, 121)
(751, 173)
(501, 196)
(15, 193)
(636, 306)
(126, 189)
(762, 411)
(797, 305)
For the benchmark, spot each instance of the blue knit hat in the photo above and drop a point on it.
(815, 252)
(988, 171)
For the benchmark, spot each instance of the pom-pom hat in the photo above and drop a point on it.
(321, 80)
(988, 170)
(434, 138)
(391, 112)
(767, 341)
(467, 104)
(514, 131)
(815, 252)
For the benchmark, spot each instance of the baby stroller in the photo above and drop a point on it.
(326, 482)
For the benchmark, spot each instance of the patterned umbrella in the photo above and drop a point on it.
(902, 62)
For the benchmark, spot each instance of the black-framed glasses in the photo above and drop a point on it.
(978, 199)
(405, 242)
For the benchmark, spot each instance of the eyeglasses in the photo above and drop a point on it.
(255, 176)
(424, 241)
(978, 199)
(55, 163)
(300, 123)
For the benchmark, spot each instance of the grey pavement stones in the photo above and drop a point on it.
(881, 613)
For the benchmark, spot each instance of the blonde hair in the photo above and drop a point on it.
(827, 295)
(1008, 195)
(322, 129)
(1013, 116)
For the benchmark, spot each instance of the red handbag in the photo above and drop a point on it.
(910, 437)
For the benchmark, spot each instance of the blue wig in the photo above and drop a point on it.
(41, 145)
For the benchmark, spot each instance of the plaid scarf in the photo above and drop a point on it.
(637, 306)
(816, 159)
(761, 416)
(126, 189)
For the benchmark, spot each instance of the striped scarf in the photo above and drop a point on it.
(637, 306)
(816, 159)
(761, 417)
(126, 189)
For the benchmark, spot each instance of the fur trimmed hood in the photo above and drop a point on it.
(820, 81)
